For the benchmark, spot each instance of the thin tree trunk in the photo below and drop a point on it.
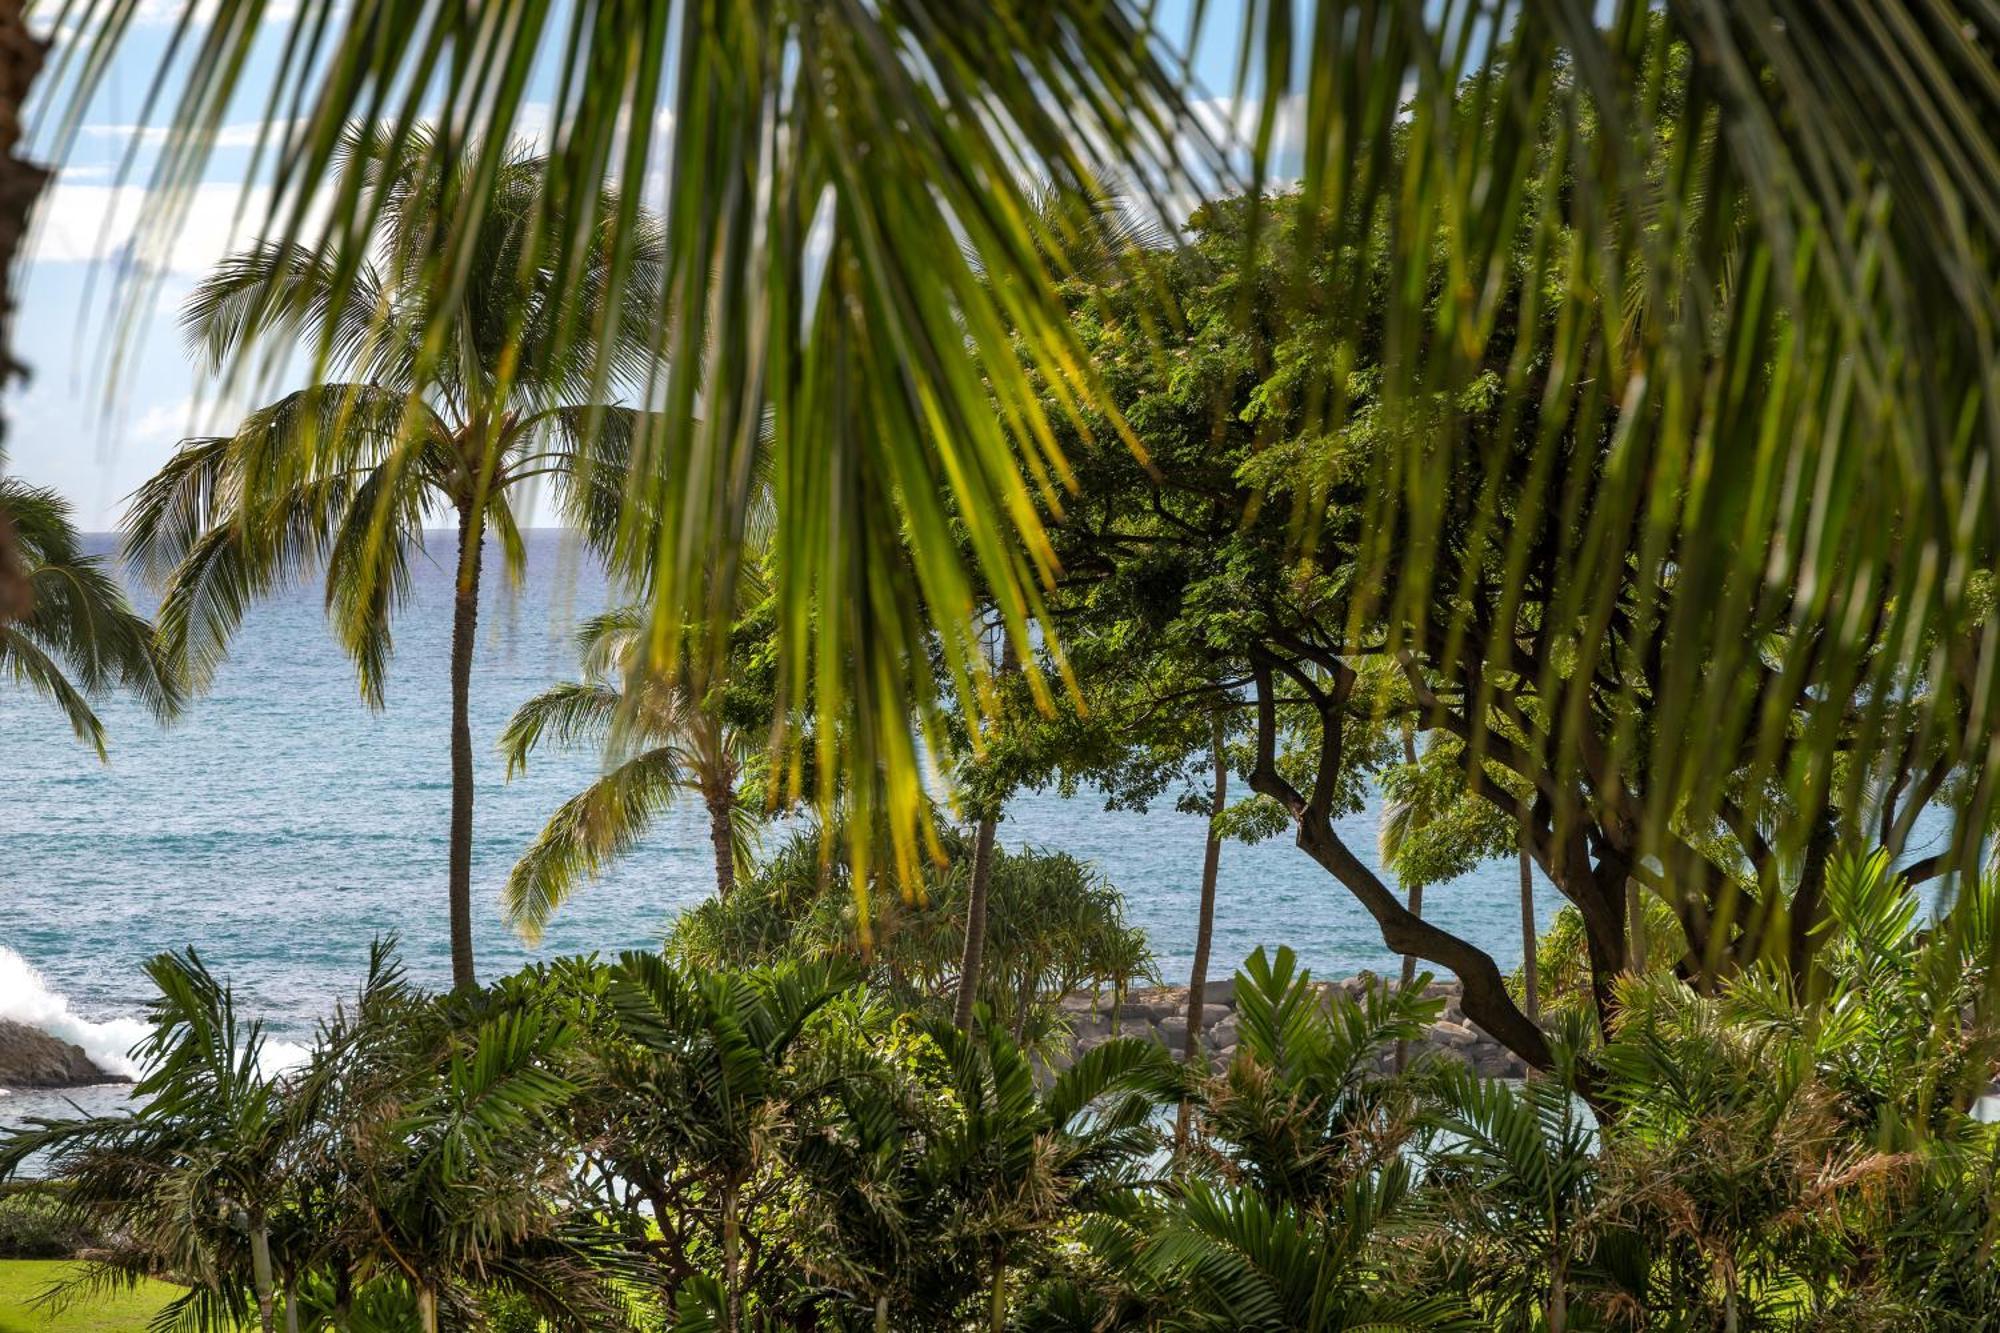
(1410, 972)
(427, 1307)
(974, 956)
(1530, 972)
(1204, 932)
(291, 1305)
(721, 835)
(1635, 926)
(881, 1314)
(1416, 902)
(997, 1312)
(464, 634)
(732, 1295)
(260, 1275)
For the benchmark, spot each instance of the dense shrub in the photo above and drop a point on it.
(34, 1225)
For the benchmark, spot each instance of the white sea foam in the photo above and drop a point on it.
(26, 998)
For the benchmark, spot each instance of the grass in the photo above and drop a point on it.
(22, 1280)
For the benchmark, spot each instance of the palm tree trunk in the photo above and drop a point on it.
(881, 1314)
(1530, 980)
(427, 1307)
(732, 1296)
(260, 1275)
(464, 634)
(997, 1311)
(21, 183)
(291, 1305)
(1635, 928)
(722, 837)
(975, 905)
(1204, 931)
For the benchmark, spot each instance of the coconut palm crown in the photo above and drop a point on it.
(74, 637)
(415, 415)
(665, 736)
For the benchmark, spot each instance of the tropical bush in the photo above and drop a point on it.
(1056, 928)
(801, 1143)
(34, 1225)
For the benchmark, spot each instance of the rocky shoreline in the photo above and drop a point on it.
(1160, 1012)
(31, 1058)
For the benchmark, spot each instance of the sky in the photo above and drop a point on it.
(64, 430)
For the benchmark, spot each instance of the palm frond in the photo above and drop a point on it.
(590, 830)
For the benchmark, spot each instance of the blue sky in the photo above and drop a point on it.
(63, 430)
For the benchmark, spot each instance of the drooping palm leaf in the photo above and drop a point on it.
(1745, 250)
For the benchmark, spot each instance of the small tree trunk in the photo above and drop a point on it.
(1410, 972)
(1204, 932)
(291, 1305)
(427, 1307)
(260, 1275)
(732, 1241)
(974, 956)
(1635, 927)
(464, 634)
(721, 835)
(881, 1314)
(1530, 980)
(997, 1311)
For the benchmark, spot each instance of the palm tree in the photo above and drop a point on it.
(194, 1179)
(667, 735)
(430, 409)
(1791, 222)
(72, 636)
(706, 1077)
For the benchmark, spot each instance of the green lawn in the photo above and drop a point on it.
(21, 1280)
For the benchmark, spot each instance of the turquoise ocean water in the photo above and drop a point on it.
(281, 825)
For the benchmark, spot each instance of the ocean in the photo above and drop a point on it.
(281, 825)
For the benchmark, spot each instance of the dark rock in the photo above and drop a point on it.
(31, 1058)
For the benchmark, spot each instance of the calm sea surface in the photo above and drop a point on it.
(281, 825)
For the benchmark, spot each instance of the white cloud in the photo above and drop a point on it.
(87, 223)
(243, 134)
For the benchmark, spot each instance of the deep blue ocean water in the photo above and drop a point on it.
(281, 825)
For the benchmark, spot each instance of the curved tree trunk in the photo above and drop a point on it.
(722, 837)
(1204, 934)
(464, 634)
(974, 956)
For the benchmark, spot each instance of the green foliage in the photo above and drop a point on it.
(34, 1225)
(798, 1142)
(78, 638)
(1055, 927)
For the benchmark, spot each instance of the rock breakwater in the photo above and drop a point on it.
(1160, 1012)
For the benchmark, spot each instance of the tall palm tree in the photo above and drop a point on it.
(667, 736)
(424, 410)
(73, 636)
(1790, 262)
